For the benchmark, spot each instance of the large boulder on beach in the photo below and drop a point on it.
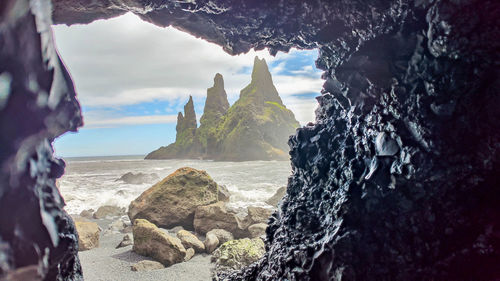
(138, 178)
(108, 211)
(150, 241)
(218, 216)
(88, 235)
(173, 200)
(190, 240)
(236, 254)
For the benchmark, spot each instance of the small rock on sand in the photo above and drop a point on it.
(126, 241)
(190, 240)
(211, 242)
(189, 254)
(147, 265)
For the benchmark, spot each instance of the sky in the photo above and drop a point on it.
(132, 78)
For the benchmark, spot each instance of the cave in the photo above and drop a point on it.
(397, 179)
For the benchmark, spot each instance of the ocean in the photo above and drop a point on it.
(90, 182)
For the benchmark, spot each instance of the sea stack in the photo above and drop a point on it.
(255, 127)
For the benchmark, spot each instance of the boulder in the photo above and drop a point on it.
(190, 240)
(223, 193)
(147, 265)
(126, 241)
(88, 235)
(108, 211)
(257, 230)
(138, 178)
(258, 215)
(87, 213)
(189, 254)
(216, 216)
(173, 201)
(236, 254)
(150, 241)
(222, 235)
(275, 199)
(211, 242)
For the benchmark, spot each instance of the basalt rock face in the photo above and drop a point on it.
(396, 180)
(37, 104)
(216, 106)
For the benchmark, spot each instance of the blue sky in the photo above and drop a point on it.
(132, 78)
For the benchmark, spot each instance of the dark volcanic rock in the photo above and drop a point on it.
(422, 74)
(138, 178)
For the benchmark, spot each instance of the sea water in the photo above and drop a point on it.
(90, 182)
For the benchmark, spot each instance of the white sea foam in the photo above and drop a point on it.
(91, 183)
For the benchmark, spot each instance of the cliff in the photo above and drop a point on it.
(256, 127)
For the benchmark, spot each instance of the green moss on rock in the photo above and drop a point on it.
(236, 254)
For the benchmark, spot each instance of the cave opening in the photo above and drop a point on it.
(133, 80)
(395, 180)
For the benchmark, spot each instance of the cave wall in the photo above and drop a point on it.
(396, 180)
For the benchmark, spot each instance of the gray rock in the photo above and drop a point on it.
(211, 243)
(222, 235)
(274, 200)
(257, 230)
(108, 211)
(126, 241)
(189, 240)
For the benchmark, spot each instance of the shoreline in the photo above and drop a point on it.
(105, 263)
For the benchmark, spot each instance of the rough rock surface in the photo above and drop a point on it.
(257, 230)
(423, 73)
(108, 211)
(237, 254)
(257, 215)
(150, 241)
(211, 242)
(126, 241)
(215, 216)
(146, 265)
(189, 254)
(138, 178)
(173, 201)
(222, 235)
(190, 240)
(88, 235)
(277, 196)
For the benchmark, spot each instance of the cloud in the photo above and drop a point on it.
(125, 61)
(128, 120)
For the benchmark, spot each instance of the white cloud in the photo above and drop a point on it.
(129, 120)
(125, 61)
